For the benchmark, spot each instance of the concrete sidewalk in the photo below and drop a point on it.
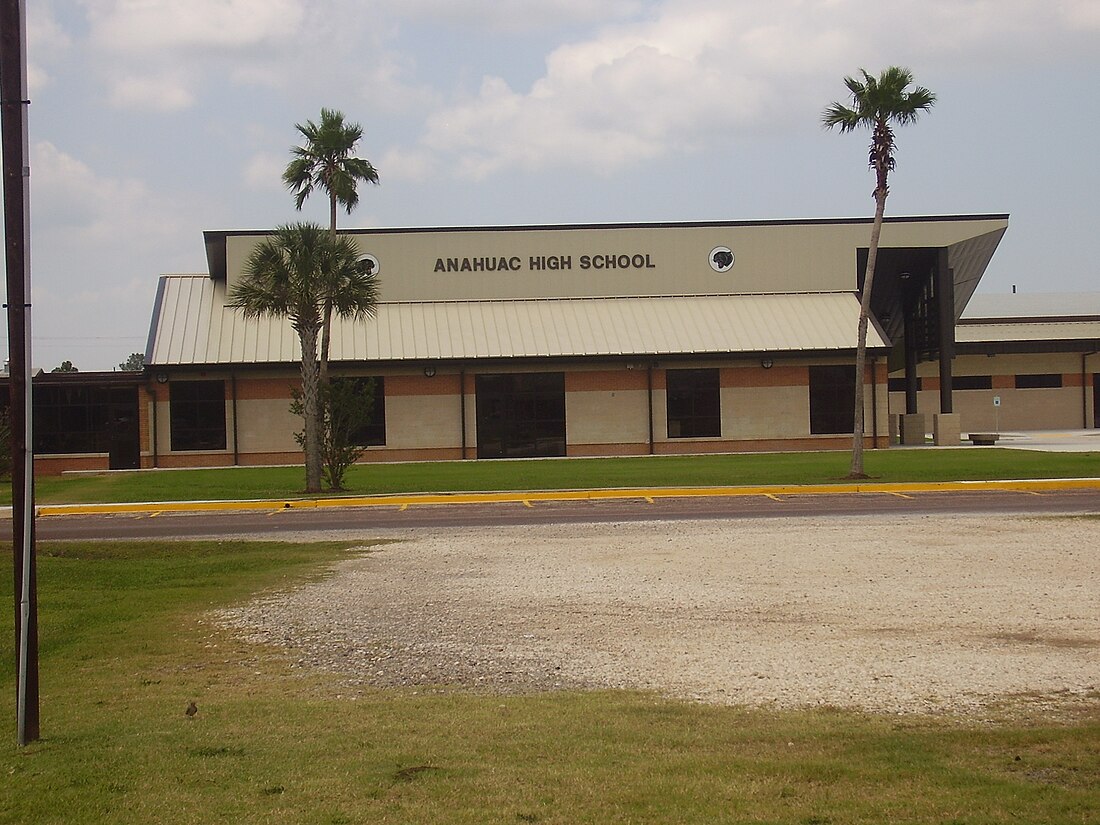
(1058, 441)
(1054, 441)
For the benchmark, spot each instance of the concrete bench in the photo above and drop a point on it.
(983, 439)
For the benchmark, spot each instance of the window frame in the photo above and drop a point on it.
(967, 383)
(521, 414)
(1039, 381)
(693, 397)
(376, 427)
(196, 422)
(832, 401)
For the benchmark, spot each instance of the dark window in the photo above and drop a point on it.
(68, 420)
(972, 382)
(832, 399)
(1039, 381)
(520, 414)
(693, 403)
(896, 385)
(87, 419)
(197, 411)
(367, 421)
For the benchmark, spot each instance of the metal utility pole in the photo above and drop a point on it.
(16, 171)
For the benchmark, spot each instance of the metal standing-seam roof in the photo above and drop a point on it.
(1000, 318)
(1032, 306)
(192, 325)
(1002, 332)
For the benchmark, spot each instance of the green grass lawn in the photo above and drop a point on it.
(126, 645)
(574, 473)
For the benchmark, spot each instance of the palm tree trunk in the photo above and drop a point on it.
(856, 470)
(326, 327)
(326, 320)
(311, 408)
(326, 333)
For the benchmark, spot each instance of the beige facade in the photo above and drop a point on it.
(571, 340)
(1023, 362)
(755, 317)
(608, 320)
(610, 409)
(665, 259)
(1004, 406)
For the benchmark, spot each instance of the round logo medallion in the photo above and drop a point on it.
(721, 259)
(369, 263)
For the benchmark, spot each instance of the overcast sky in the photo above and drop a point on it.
(153, 120)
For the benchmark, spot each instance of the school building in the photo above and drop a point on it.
(596, 340)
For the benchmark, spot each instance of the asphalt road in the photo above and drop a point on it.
(364, 521)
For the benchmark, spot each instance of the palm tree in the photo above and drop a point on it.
(877, 103)
(325, 161)
(296, 274)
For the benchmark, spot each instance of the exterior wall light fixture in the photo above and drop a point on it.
(429, 371)
(767, 363)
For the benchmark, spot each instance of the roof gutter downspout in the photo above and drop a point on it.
(1085, 392)
(153, 396)
(233, 391)
(649, 395)
(462, 407)
(874, 403)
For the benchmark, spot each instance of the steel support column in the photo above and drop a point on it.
(945, 309)
(911, 379)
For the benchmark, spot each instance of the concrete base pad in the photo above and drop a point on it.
(946, 429)
(912, 429)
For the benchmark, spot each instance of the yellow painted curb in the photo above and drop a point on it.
(405, 500)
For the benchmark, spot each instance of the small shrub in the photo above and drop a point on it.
(347, 404)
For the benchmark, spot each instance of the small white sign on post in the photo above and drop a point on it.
(996, 401)
(997, 413)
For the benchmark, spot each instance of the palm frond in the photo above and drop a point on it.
(326, 162)
(351, 289)
(876, 100)
(361, 169)
(839, 115)
(284, 276)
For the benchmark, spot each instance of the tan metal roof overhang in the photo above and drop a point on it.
(1058, 330)
(192, 325)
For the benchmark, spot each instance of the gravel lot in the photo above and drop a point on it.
(898, 614)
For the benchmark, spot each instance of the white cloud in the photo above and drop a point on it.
(705, 70)
(43, 31)
(77, 203)
(514, 15)
(144, 26)
(407, 164)
(625, 97)
(384, 85)
(264, 171)
(164, 93)
(157, 54)
(45, 38)
(97, 244)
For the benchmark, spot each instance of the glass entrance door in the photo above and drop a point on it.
(520, 415)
